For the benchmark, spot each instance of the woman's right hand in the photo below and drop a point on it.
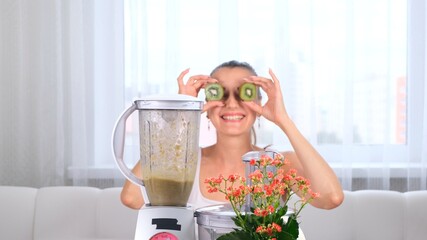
(194, 83)
(193, 86)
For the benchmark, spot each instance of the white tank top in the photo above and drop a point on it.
(196, 199)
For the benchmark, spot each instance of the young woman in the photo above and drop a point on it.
(234, 120)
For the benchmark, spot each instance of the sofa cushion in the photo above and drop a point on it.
(369, 215)
(416, 215)
(17, 212)
(65, 211)
(376, 218)
(328, 224)
(82, 213)
(114, 220)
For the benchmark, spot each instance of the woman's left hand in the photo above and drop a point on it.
(274, 109)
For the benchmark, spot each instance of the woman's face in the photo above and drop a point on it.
(234, 117)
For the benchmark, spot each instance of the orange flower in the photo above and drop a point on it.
(256, 175)
(252, 162)
(271, 209)
(313, 195)
(292, 172)
(277, 227)
(233, 177)
(219, 179)
(212, 189)
(268, 190)
(237, 193)
(264, 160)
(260, 229)
(257, 189)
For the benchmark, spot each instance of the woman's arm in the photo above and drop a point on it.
(311, 165)
(306, 160)
(131, 195)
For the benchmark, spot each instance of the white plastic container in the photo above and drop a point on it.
(214, 221)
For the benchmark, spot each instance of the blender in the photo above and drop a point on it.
(169, 151)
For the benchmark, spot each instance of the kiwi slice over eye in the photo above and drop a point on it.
(248, 92)
(214, 92)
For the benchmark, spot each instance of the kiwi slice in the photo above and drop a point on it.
(214, 92)
(248, 92)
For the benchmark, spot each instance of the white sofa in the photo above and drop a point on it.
(74, 213)
(370, 215)
(84, 213)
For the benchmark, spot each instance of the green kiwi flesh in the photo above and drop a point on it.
(248, 92)
(214, 92)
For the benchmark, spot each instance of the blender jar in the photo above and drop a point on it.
(169, 153)
(169, 147)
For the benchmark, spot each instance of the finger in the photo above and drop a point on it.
(209, 80)
(265, 83)
(200, 81)
(212, 104)
(276, 83)
(254, 107)
(275, 79)
(199, 84)
(261, 79)
(181, 77)
(196, 78)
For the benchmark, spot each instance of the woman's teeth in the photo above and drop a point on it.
(232, 117)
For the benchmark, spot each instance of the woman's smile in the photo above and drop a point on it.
(233, 117)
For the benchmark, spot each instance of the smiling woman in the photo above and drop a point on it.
(233, 119)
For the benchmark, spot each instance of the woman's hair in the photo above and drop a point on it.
(247, 66)
(233, 64)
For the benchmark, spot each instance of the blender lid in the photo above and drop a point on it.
(170, 102)
(256, 155)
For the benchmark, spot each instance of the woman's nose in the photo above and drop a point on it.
(232, 100)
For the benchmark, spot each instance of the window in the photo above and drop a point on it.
(344, 70)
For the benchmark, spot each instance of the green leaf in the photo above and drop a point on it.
(292, 226)
(282, 211)
(236, 221)
(236, 235)
(285, 236)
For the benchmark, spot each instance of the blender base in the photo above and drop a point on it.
(165, 222)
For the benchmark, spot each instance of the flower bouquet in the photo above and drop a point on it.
(256, 201)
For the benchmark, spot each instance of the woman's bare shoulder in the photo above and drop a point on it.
(206, 151)
(290, 155)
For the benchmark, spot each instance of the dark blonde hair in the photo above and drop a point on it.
(234, 64)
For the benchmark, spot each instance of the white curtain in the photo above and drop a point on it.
(353, 75)
(61, 74)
